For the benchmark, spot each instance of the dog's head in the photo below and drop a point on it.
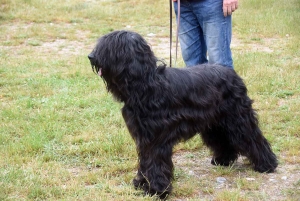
(122, 58)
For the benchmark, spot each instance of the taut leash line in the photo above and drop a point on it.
(171, 5)
(178, 24)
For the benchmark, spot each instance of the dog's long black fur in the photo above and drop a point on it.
(164, 106)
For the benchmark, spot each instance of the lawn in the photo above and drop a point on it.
(62, 136)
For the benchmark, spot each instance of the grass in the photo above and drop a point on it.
(62, 136)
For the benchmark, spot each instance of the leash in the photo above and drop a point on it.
(178, 23)
(171, 4)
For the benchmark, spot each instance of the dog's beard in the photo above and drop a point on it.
(92, 59)
(97, 70)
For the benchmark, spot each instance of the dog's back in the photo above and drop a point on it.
(203, 80)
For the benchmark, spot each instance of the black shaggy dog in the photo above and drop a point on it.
(163, 106)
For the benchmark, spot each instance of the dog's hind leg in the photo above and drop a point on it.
(246, 137)
(258, 151)
(223, 152)
(261, 155)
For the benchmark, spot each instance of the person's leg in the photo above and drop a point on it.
(191, 38)
(217, 31)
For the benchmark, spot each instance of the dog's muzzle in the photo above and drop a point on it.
(91, 57)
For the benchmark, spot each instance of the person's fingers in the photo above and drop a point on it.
(235, 4)
(225, 11)
(233, 8)
(228, 9)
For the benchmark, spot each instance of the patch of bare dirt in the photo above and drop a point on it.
(281, 185)
(62, 47)
(58, 46)
(263, 45)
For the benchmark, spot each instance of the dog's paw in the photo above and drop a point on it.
(152, 191)
(265, 169)
(139, 183)
(222, 161)
(161, 195)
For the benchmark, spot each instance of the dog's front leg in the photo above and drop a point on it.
(155, 171)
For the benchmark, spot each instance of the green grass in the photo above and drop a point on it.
(62, 136)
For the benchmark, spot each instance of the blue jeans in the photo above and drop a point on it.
(203, 30)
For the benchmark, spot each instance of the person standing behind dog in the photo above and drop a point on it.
(205, 28)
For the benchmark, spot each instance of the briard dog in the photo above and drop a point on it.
(164, 106)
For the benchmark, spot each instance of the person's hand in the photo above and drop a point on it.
(229, 6)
